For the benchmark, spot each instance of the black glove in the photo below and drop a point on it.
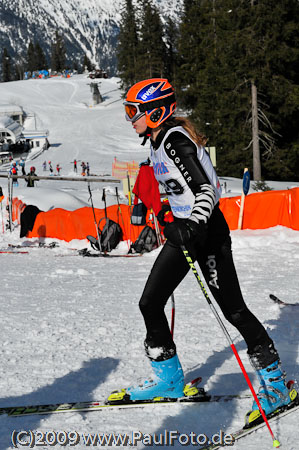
(161, 214)
(182, 232)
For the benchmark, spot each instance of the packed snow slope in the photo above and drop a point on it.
(71, 329)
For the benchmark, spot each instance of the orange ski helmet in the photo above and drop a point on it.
(153, 98)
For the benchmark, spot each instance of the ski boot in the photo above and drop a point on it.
(167, 384)
(273, 393)
(168, 381)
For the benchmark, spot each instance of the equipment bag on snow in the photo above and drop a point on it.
(110, 236)
(146, 241)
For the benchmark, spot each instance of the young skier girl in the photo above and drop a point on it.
(183, 167)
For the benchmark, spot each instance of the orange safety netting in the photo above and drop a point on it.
(120, 169)
(261, 210)
(264, 210)
(69, 225)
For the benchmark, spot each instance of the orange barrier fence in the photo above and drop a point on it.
(68, 225)
(261, 210)
(264, 210)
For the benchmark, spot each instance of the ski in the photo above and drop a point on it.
(88, 253)
(13, 252)
(35, 245)
(18, 411)
(281, 302)
(56, 408)
(245, 431)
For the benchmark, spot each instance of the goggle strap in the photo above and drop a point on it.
(156, 103)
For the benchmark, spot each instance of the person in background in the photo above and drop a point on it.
(44, 166)
(22, 164)
(14, 171)
(83, 172)
(29, 179)
(75, 165)
(87, 169)
(50, 168)
(183, 167)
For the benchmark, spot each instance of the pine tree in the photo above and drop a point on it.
(152, 49)
(31, 65)
(6, 66)
(127, 49)
(87, 64)
(190, 53)
(36, 59)
(171, 57)
(40, 58)
(58, 53)
(20, 69)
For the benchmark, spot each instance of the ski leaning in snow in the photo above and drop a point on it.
(246, 430)
(281, 302)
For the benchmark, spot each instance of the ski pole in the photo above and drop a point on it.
(119, 208)
(1, 199)
(10, 195)
(157, 229)
(172, 314)
(276, 443)
(94, 216)
(106, 217)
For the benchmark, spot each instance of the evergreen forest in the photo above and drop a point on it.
(234, 65)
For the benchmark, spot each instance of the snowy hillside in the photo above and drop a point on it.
(71, 329)
(89, 27)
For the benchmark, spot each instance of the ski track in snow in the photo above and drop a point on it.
(71, 329)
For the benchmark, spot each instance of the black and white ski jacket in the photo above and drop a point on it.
(186, 172)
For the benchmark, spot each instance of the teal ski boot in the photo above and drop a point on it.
(273, 392)
(168, 382)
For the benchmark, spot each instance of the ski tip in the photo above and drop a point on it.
(276, 443)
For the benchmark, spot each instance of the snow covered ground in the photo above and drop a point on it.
(71, 329)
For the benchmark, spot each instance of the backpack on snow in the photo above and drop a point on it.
(146, 241)
(111, 234)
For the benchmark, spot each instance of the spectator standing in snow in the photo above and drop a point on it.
(22, 164)
(30, 181)
(14, 171)
(83, 165)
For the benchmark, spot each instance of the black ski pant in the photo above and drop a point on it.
(216, 263)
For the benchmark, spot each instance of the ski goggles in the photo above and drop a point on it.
(133, 111)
